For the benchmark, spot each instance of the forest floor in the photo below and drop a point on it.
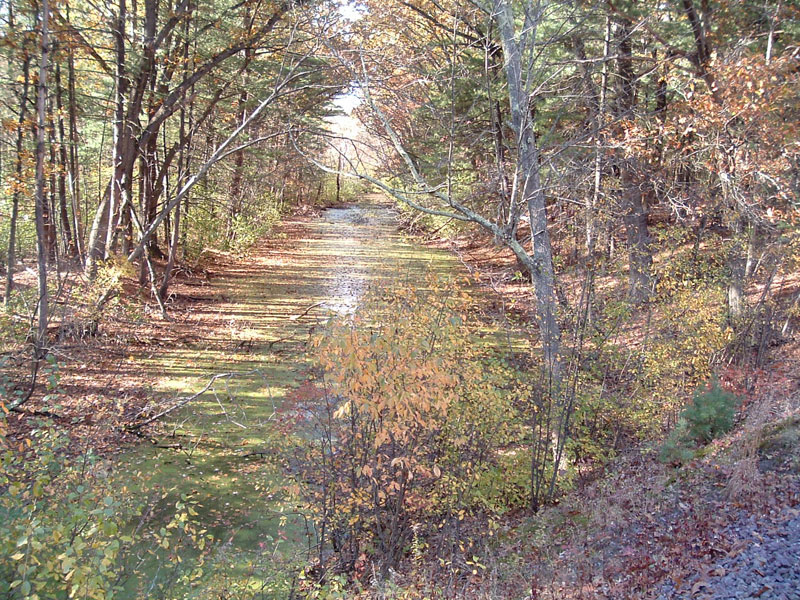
(641, 529)
(648, 530)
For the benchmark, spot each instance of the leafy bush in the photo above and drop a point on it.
(211, 230)
(418, 425)
(710, 414)
(251, 225)
(67, 529)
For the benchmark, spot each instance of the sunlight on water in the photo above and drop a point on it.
(358, 229)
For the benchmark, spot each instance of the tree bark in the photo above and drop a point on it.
(74, 165)
(57, 208)
(67, 222)
(95, 244)
(119, 183)
(541, 261)
(235, 203)
(183, 164)
(41, 233)
(599, 124)
(12, 235)
(737, 271)
(634, 210)
(640, 257)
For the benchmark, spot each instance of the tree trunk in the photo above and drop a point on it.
(95, 244)
(640, 258)
(71, 247)
(634, 211)
(74, 165)
(339, 179)
(149, 173)
(12, 235)
(752, 243)
(550, 420)
(591, 207)
(235, 201)
(737, 271)
(41, 233)
(58, 168)
(183, 160)
(119, 183)
(541, 261)
(173, 253)
(56, 207)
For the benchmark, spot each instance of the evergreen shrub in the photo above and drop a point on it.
(710, 415)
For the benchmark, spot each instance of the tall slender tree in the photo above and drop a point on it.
(40, 346)
(18, 166)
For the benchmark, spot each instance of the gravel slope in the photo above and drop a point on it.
(766, 566)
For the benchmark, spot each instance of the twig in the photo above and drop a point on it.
(16, 406)
(261, 453)
(185, 400)
(306, 311)
(225, 412)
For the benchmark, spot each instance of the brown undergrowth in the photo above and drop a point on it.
(644, 522)
(641, 523)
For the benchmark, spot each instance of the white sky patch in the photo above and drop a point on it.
(347, 102)
(351, 11)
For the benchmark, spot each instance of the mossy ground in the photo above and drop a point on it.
(229, 449)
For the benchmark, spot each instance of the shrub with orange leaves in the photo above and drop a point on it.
(416, 419)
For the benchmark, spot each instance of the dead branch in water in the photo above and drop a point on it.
(306, 311)
(180, 402)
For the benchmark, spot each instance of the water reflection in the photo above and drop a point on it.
(352, 244)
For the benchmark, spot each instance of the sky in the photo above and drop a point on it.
(350, 10)
(347, 102)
